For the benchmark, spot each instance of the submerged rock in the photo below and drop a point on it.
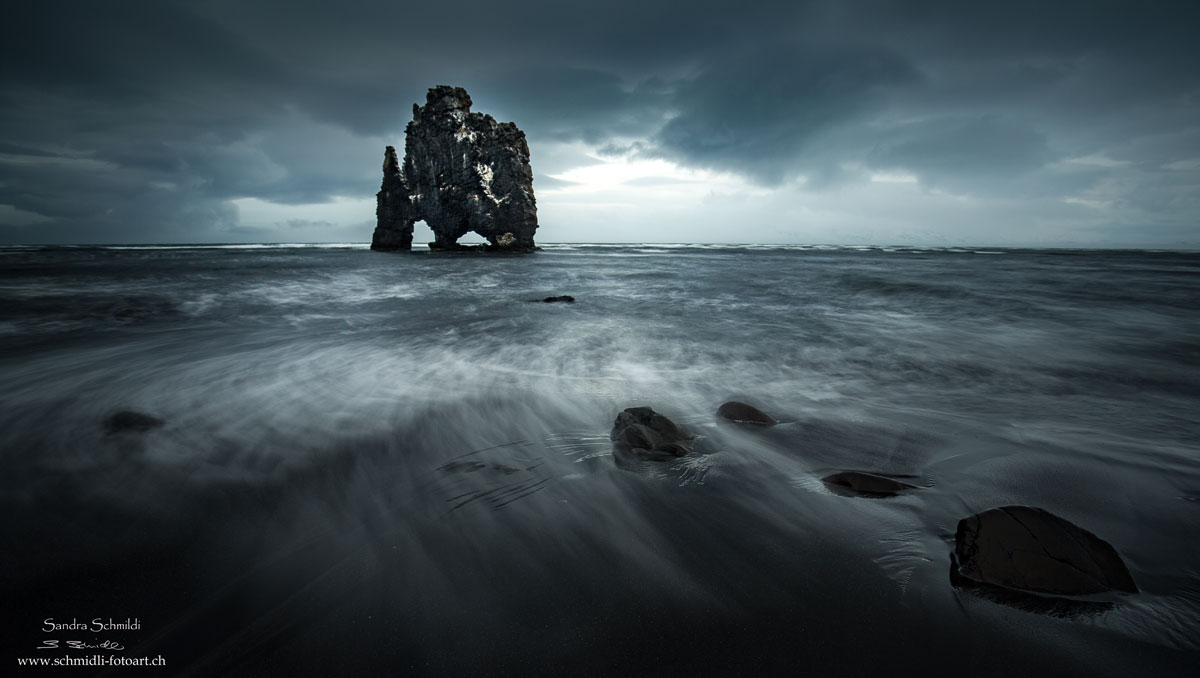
(473, 466)
(1021, 547)
(867, 483)
(565, 298)
(462, 171)
(649, 434)
(131, 421)
(744, 414)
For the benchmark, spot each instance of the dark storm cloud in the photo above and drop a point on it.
(570, 104)
(144, 119)
(964, 149)
(956, 96)
(755, 112)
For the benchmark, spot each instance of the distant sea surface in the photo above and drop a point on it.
(398, 463)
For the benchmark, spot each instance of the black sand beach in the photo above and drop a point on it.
(363, 463)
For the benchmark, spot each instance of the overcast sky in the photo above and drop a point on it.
(927, 123)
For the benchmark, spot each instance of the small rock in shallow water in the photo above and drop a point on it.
(867, 483)
(1021, 547)
(463, 466)
(650, 434)
(128, 420)
(744, 414)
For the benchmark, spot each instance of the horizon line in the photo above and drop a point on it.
(365, 244)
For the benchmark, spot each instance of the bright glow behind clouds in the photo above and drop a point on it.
(641, 178)
(629, 199)
(322, 221)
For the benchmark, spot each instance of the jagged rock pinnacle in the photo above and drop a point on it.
(462, 172)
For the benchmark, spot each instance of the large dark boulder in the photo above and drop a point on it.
(1021, 547)
(867, 483)
(462, 172)
(744, 414)
(649, 434)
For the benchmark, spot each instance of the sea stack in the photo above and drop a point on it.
(462, 172)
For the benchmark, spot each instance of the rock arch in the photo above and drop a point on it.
(462, 172)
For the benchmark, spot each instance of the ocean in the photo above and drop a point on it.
(366, 463)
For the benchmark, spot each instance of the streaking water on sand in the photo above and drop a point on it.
(399, 463)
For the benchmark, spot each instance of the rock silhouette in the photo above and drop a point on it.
(867, 483)
(649, 434)
(744, 414)
(462, 172)
(394, 228)
(1021, 547)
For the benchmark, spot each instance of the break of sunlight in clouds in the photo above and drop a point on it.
(893, 178)
(644, 179)
(262, 214)
(1094, 160)
(1094, 204)
(1183, 165)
